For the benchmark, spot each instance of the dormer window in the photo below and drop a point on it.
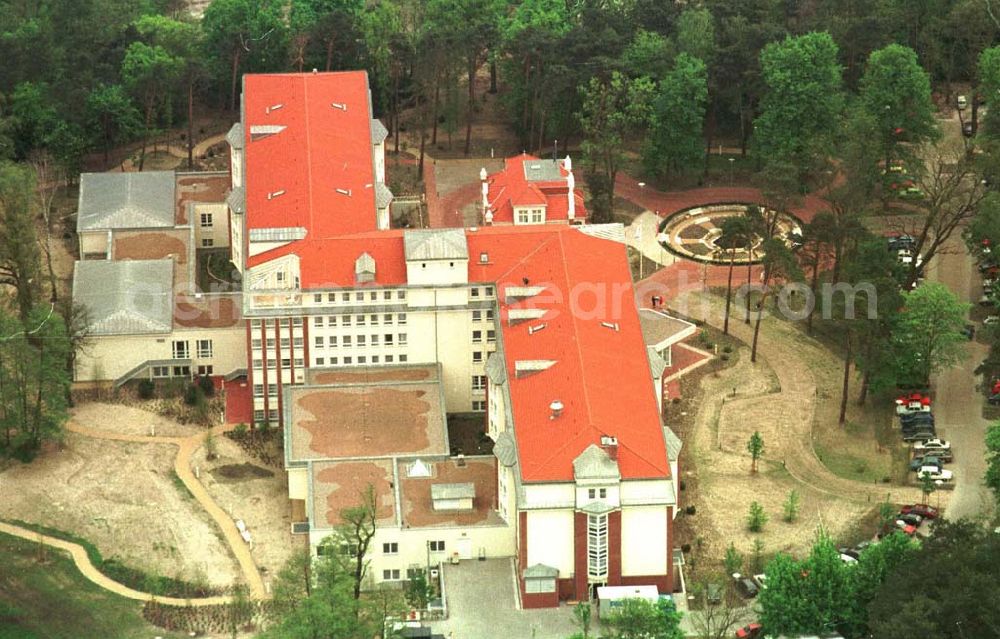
(530, 215)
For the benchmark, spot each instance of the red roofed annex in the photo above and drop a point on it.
(529, 320)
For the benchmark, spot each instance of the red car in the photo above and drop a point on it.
(913, 403)
(927, 512)
(753, 631)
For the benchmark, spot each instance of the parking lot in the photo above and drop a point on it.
(482, 602)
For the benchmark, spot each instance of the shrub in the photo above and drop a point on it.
(206, 385)
(727, 349)
(685, 548)
(690, 510)
(791, 507)
(146, 389)
(756, 518)
(724, 357)
(240, 430)
(733, 560)
(193, 395)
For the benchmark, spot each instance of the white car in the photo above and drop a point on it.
(962, 102)
(932, 444)
(936, 474)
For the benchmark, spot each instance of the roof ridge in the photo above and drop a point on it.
(576, 335)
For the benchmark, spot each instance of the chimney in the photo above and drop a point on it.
(610, 446)
(557, 408)
(571, 186)
(486, 195)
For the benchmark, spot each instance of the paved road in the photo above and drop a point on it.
(959, 403)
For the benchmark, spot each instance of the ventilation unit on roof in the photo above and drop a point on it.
(339, 105)
(273, 107)
(557, 408)
(534, 329)
(275, 194)
(346, 192)
(612, 325)
(537, 167)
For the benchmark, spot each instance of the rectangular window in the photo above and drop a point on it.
(347, 341)
(522, 217)
(403, 358)
(345, 320)
(207, 242)
(477, 337)
(318, 321)
(373, 296)
(332, 320)
(258, 390)
(489, 315)
(491, 336)
(298, 342)
(345, 297)
(285, 342)
(318, 341)
(478, 405)
(320, 361)
(280, 276)
(205, 348)
(182, 371)
(361, 341)
(205, 370)
(317, 298)
(477, 316)
(206, 220)
(489, 291)
(181, 350)
(597, 546)
(258, 415)
(474, 291)
(602, 493)
(390, 575)
(360, 320)
(437, 546)
(375, 359)
(299, 362)
(272, 390)
(374, 320)
(331, 297)
(389, 359)
(591, 493)
(388, 339)
(255, 343)
(273, 414)
(401, 319)
(272, 363)
(254, 323)
(348, 360)
(375, 339)
(333, 341)
(296, 321)
(478, 382)
(537, 216)
(400, 295)
(362, 359)
(387, 295)
(283, 323)
(161, 371)
(334, 361)
(402, 339)
(477, 357)
(286, 362)
(390, 548)
(387, 319)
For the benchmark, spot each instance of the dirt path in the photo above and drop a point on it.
(87, 569)
(186, 446)
(786, 417)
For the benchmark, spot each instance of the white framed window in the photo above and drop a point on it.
(477, 316)
(345, 320)
(403, 358)
(207, 242)
(206, 220)
(272, 363)
(489, 292)
(334, 361)
(286, 362)
(390, 548)
(389, 359)
(538, 586)
(477, 357)
(477, 337)
(320, 361)
(182, 371)
(390, 575)
(522, 217)
(317, 298)
(285, 342)
(279, 276)
(283, 323)
(318, 320)
(401, 319)
(375, 359)
(333, 341)
(273, 414)
(387, 319)
(478, 405)
(373, 320)
(474, 291)
(331, 298)
(299, 362)
(272, 390)
(348, 360)
(388, 339)
(489, 314)
(345, 297)
(478, 382)
(402, 339)
(360, 320)
(332, 320)
(258, 390)
(597, 546)
(436, 546)
(387, 295)
(298, 342)
(491, 336)
(255, 343)
(296, 321)
(400, 295)
(318, 341)
(374, 339)
(205, 370)
(204, 348)
(537, 216)
(373, 296)
(361, 341)
(258, 415)
(347, 341)
(255, 323)
(161, 371)
(362, 359)
(181, 350)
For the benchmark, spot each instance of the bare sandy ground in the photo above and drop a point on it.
(128, 420)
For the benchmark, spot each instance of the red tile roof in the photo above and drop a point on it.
(322, 153)
(510, 188)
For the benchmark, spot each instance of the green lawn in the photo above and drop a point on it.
(51, 600)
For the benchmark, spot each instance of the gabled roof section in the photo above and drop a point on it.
(660, 330)
(495, 369)
(129, 297)
(435, 244)
(235, 136)
(530, 181)
(379, 132)
(308, 137)
(656, 363)
(383, 196)
(464, 490)
(126, 200)
(594, 463)
(674, 443)
(237, 200)
(540, 571)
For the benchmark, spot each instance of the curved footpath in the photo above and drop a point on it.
(186, 446)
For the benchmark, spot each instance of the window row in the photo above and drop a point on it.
(481, 291)
(181, 349)
(272, 415)
(351, 360)
(477, 336)
(346, 297)
(286, 362)
(479, 316)
(298, 342)
(371, 319)
(284, 322)
(360, 341)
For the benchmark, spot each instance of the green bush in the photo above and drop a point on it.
(240, 430)
(727, 349)
(193, 395)
(206, 385)
(146, 389)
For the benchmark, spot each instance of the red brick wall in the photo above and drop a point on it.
(615, 548)
(539, 600)
(580, 555)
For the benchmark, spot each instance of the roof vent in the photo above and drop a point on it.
(346, 192)
(460, 460)
(274, 107)
(536, 167)
(275, 194)
(612, 325)
(526, 367)
(534, 329)
(473, 229)
(315, 70)
(557, 408)
(484, 258)
(339, 105)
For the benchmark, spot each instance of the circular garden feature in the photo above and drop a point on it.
(696, 233)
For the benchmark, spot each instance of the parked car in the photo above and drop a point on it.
(925, 460)
(748, 588)
(933, 444)
(761, 581)
(911, 518)
(850, 552)
(944, 456)
(847, 559)
(750, 631)
(925, 511)
(901, 242)
(913, 403)
(917, 418)
(991, 319)
(962, 102)
(897, 525)
(918, 436)
(938, 475)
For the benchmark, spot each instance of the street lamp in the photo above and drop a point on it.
(732, 171)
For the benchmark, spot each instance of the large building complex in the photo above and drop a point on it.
(359, 340)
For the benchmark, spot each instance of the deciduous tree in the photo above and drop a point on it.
(675, 140)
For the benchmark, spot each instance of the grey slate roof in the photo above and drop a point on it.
(540, 571)
(466, 490)
(542, 171)
(235, 136)
(435, 244)
(126, 298)
(126, 200)
(495, 369)
(237, 200)
(383, 196)
(505, 450)
(614, 231)
(674, 443)
(660, 329)
(656, 363)
(379, 132)
(282, 234)
(594, 463)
